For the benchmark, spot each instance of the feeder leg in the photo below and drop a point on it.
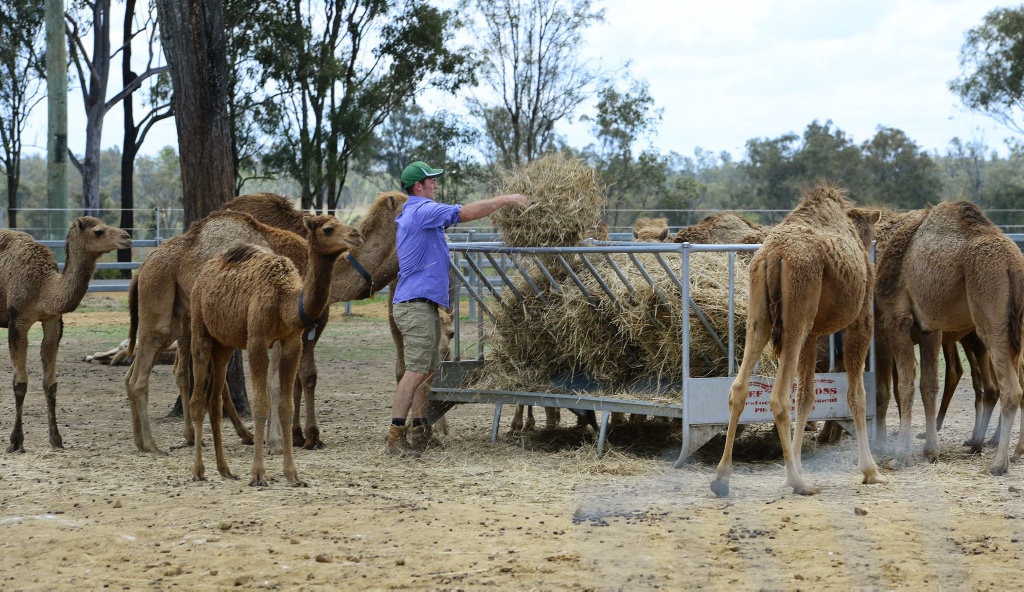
(603, 433)
(497, 420)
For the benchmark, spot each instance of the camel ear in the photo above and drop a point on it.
(876, 215)
(306, 222)
(635, 235)
(664, 235)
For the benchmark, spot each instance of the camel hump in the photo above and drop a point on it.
(241, 253)
(894, 238)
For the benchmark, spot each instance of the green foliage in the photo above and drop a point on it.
(992, 66)
(532, 71)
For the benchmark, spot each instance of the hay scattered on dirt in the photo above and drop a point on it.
(567, 198)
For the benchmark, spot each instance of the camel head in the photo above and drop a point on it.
(95, 237)
(331, 235)
(651, 230)
(863, 222)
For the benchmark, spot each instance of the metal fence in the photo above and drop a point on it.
(484, 271)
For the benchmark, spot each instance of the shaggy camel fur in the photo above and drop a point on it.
(812, 276)
(651, 230)
(31, 289)
(721, 228)
(357, 275)
(252, 298)
(951, 269)
(158, 304)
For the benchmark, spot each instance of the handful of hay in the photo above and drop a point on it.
(567, 198)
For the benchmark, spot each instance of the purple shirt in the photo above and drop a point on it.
(423, 250)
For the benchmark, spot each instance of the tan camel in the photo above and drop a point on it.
(118, 356)
(359, 274)
(954, 271)
(252, 298)
(651, 230)
(158, 304)
(31, 289)
(722, 228)
(812, 276)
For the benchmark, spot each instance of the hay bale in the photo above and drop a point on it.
(566, 195)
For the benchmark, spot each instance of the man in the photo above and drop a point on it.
(423, 285)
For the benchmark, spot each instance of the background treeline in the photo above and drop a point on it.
(327, 100)
(887, 170)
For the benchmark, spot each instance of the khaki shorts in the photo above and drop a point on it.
(421, 334)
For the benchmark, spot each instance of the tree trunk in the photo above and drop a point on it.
(193, 37)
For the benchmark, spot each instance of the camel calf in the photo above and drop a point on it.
(812, 276)
(251, 298)
(31, 289)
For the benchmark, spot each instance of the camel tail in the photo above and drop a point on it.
(1016, 313)
(773, 298)
(133, 315)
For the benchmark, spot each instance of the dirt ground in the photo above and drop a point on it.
(536, 513)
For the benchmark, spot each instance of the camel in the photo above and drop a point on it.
(949, 269)
(158, 304)
(812, 276)
(359, 274)
(721, 228)
(118, 356)
(251, 298)
(31, 289)
(651, 230)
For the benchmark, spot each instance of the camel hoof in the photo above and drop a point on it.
(299, 484)
(874, 479)
(806, 490)
(931, 456)
(258, 483)
(998, 469)
(247, 438)
(313, 441)
(298, 440)
(720, 487)
(12, 448)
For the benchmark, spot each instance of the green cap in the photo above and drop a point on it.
(418, 171)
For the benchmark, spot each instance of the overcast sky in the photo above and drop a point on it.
(731, 70)
(726, 71)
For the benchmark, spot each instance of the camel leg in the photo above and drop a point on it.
(236, 420)
(805, 397)
(954, 372)
(757, 337)
(183, 375)
(258, 364)
(986, 392)
(52, 330)
(274, 437)
(906, 370)
(780, 402)
(147, 348)
(305, 383)
(290, 354)
(517, 419)
(883, 391)
(17, 342)
(552, 417)
(855, 350)
(930, 344)
(1009, 399)
(217, 384)
(201, 356)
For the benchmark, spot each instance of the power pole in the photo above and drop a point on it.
(57, 111)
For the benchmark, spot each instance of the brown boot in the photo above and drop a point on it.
(422, 437)
(397, 443)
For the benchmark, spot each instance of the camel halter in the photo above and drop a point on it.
(305, 320)
(359, 268)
